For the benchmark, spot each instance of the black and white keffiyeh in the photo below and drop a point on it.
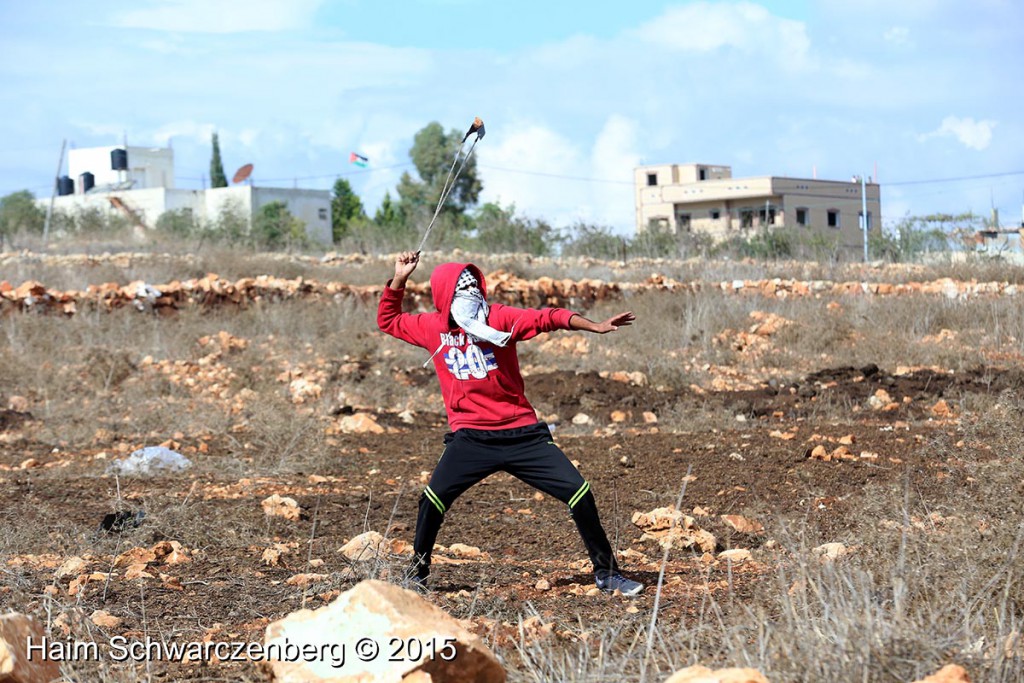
(470, 309)
(466, 281)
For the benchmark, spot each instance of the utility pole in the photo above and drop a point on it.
(53, 195)
(864, 213)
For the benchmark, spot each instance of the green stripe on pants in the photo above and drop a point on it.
(579, 494)
(434, 499)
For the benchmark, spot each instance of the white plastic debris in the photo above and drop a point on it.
(145, 296)
(147, 292)
(150, 460)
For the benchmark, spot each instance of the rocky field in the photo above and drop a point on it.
(817, 471)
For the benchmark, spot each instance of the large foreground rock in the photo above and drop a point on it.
(702, 674)
(15, 666)
(951, 673)
(395, 620)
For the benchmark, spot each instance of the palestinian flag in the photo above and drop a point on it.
(358, 159)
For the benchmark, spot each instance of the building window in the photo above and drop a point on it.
(657, 224)
(860, 216)
(833, 218)
(801, 216)
(652, 179)
(322, 213)
(746, 218)
(703, 174)
(683, 221)
(767, 216)
(715, 214)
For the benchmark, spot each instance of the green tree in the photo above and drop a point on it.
(274, 227)
(346, 207)
(387, 215)
(19, 212)
(217, 177)
(432, 153)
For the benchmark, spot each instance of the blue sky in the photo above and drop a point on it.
(574, 94)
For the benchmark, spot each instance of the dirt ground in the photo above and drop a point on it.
(753, 460)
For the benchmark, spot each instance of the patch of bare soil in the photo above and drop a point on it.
(228, 587)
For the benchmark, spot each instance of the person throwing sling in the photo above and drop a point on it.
(493, 426)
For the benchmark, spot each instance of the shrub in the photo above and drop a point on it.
(499, 229)
(19, 212)
(177, 223)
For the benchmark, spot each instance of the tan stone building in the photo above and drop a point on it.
(703, 198)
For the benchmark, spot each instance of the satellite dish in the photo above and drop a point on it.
(242, 174)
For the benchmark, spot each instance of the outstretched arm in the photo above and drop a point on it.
(578, 322)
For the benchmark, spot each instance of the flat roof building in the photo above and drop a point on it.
(705, 198)
(138, 182)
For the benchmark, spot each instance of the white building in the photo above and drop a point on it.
(148, 167)
(145, 189)
(703, 198)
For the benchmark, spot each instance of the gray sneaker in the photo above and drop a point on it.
(417, 584)
(617, 582)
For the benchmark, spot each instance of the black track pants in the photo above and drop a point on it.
(527, 453)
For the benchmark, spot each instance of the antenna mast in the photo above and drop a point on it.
(53, 195)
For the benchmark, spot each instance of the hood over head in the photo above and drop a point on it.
(443, 281)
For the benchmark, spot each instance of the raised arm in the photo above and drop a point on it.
(405, 264)
(390, 318)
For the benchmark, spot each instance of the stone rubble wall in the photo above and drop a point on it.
(213, 291)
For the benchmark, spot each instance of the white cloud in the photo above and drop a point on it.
(513, 171)
(247, 136)
(898, 35)
(971, 134)
(743, 26)
(614, 156)
(190, 130)
(221, 16)
(115, 131)
(546, 174)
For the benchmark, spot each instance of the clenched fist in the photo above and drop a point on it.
(405, 264)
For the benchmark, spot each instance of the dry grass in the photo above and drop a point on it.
(909, 598)
(905, 602)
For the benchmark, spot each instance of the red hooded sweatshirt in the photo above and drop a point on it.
(481, 383)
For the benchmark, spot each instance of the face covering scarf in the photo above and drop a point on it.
(470, 311)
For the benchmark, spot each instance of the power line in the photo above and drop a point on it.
(406, 164)
(951, 180)
(629, 182)
(319, 177)
(557, 175)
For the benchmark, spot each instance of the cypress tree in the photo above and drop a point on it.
(217, 177)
